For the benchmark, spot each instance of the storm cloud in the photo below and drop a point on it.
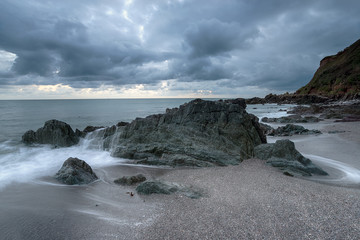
(275, 45)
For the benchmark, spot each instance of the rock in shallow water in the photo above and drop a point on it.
(283, 155)
(75, 171)
(54, 132)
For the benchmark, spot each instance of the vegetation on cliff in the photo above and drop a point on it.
(338, 75)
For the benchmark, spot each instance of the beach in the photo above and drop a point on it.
(247, 201)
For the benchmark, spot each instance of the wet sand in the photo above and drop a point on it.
(248, 201)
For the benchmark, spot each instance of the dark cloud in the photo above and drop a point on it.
(272, 44)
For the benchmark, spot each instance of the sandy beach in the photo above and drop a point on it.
(247, 201)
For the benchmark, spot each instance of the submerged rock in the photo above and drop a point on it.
(54, 132)
(158, 187)
(75, 171)
(291, 129)
(198, 133)
(283, 155)
(130, 180)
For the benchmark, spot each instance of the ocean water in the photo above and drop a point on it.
(20, 163)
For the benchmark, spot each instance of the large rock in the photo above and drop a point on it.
(54, 132)
(75, 171)
(283, 155)
(198, 133)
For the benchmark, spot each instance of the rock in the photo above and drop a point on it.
(283, 155)
(158, 187)
(288, 98)
(266, 129)
(291, 129)
(130, 180)
(291, 119)
(198, 133)
(122, 124)
(75, 171)
(29, 137)
(91, 128)
(54, 132)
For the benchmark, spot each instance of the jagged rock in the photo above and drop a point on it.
(291, 129)
(130, 180)
(266, 128)
(198, 133)
(54, 132)
(291, 119)
(283, 155)
(75, 171)
(158, 187)
(288, 98)
(121, 124)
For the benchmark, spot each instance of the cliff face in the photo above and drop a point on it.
(338, 76)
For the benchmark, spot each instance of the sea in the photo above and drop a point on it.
(21, 163)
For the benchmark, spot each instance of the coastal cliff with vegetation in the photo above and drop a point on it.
(338, 76)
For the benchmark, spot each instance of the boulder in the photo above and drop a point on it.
(130, 180)
(158, 187)
(283, 155)
(75, 171)
(198, 133)
(54, 132)
(291, 129)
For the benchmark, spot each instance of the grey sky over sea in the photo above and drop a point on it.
(182, 48)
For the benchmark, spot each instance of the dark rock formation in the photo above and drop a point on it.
(54, 132)
(291, 129)
(121, 124)
(157, 187)
(198, 133)
(130, 180)
(291, 119)
(75, 171)
(266, 128)
(283, 155)
(288, 99)
(338, 76)
(343, 111)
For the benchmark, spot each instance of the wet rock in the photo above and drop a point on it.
(75, 171)
(158, 187)
(130, 180)
(291, 129)
(198, 133)
(291, 119)
(283, 155)
(266, 129)
(54, 132)
(122, 124)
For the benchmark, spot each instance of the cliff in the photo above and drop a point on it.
(338, 76)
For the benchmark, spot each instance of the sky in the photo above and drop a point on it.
(52, 49)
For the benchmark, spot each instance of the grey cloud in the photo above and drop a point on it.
(274, 44)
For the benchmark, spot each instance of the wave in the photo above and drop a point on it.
(346, 174)
(20, 163)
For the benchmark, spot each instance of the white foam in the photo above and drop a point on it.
(350, 174)
(20, 163)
